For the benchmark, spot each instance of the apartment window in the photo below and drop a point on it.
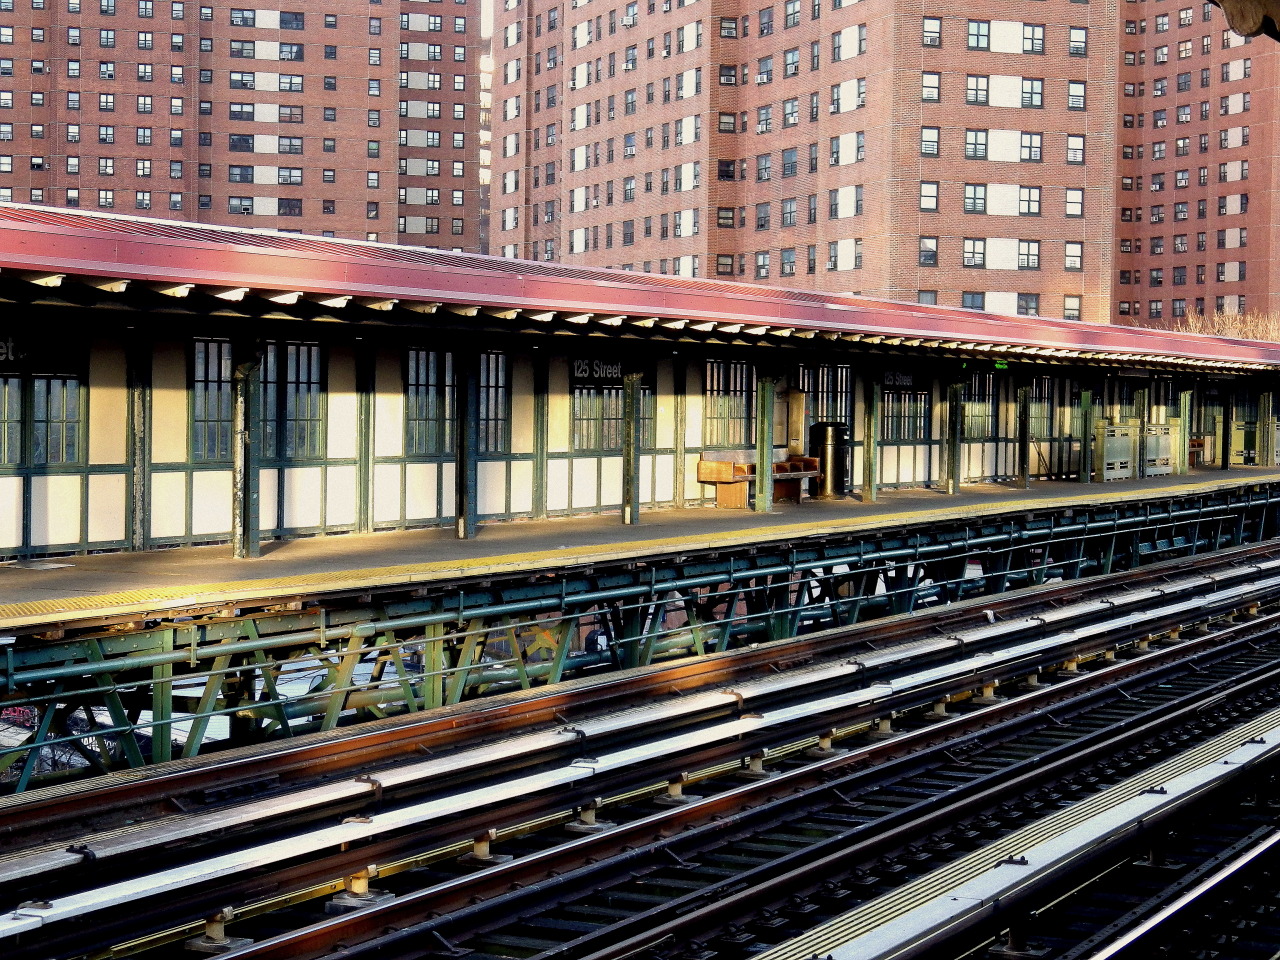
(1031, 147)
(973, 300)
(931, 87)
(975, 198)
(1028, 304)
(929, 195)
(243, 18)
(1032, 92)
(242, 49)
(929, 141)
(1078, 41)
(292, 21)
(974, 252)
(931, 32)
(979, 35)
(1074, 202)
(291, 51)
(977, 90)
(1073, 255)
(928, 252)
(1032, 38)
(1029, 201)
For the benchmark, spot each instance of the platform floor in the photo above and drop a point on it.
(43, 591)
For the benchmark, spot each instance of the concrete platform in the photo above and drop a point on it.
(147, 583)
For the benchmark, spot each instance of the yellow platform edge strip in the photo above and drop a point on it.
(150, 600)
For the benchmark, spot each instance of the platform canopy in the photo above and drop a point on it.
(69, 258)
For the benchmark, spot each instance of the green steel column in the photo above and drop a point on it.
(955, 436)
(873, 391)
(246, 414)
(1228, 427)
(766, 388)
(541, 416)
(1185, 398)
(631, 448)
(138, 379)
(1024, 436)
(1088, 424)
(366, 364)
(465, 476)
(1142, 404)
(679, 386)
(1266, 429)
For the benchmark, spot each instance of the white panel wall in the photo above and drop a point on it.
(108, 494)
(1005, 91)
(1002, 199)
(1006, 303)
(340, 496)
(521, 486)
(491, 482)
(1002, 254)
(1004, 146)
(1006, 36)
(211, 502)
(10, 512)
(386, 493)
(168, 504)
(303, 504)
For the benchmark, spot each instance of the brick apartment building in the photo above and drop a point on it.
(1197, 224)
(911, 154)
(353, 119)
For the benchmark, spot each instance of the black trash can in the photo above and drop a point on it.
(829, 442)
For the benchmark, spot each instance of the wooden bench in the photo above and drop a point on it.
(733, 476)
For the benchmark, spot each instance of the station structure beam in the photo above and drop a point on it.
(246, 414)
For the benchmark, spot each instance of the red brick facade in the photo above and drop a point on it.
(233, 115)
(1196, 218)
(842, 147)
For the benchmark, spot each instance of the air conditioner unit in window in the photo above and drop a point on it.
(835, 108)
(933, 41)
(628, 151)
(666, 8)
(628, 21)
(665, 54)
(595, 203)
(762, 78)
(762, 128)
(831, 264)
(629, 65)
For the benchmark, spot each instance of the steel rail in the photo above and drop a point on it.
(542, 878)
(155, 883)
(162, 786)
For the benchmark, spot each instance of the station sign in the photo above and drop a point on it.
(899, 378)
(26, 352)
(588, 372)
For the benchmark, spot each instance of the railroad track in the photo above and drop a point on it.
(753, 867)
(405, 817)
(124, 797)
